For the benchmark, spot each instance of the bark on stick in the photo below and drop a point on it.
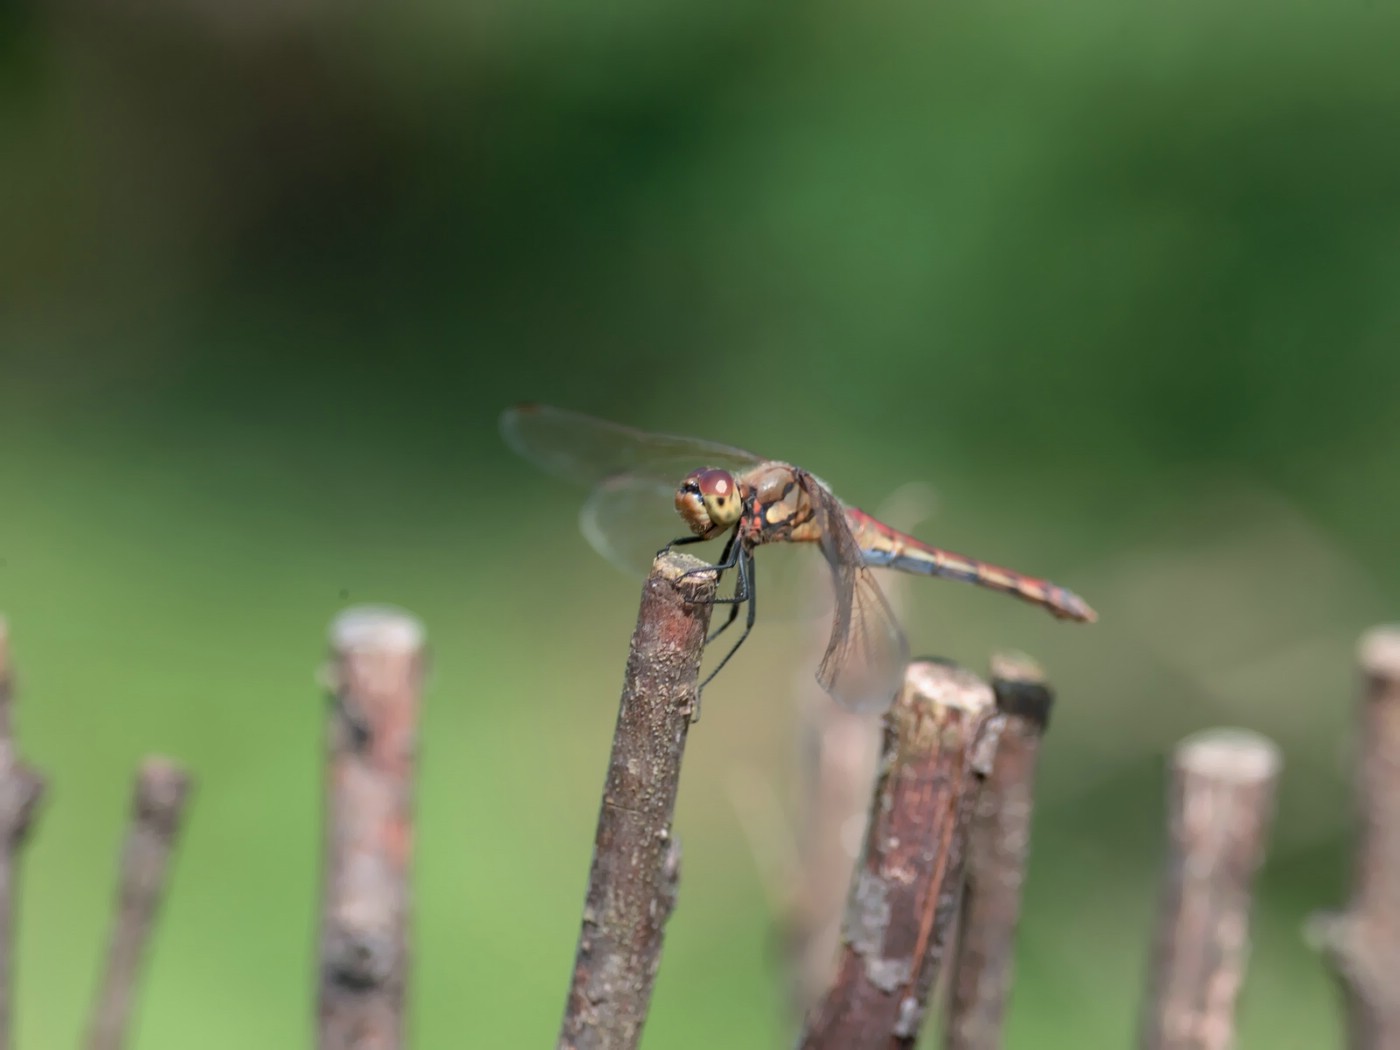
(998, 847)
(1220, 812)
(375, 678)
(939, 741)
(633, 881)
(1363, 943)
(21, 790)
(158, 805)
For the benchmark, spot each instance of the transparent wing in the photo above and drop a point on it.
(586, 450)
(629, 517)
(864, 660)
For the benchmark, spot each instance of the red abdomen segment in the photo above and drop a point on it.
(888, 548)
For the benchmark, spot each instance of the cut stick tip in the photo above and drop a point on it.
(1379, 651)
(672, 565)
(1010, 665)
(377, 628)
(164, 781)
(943, 683)
(1229, 754)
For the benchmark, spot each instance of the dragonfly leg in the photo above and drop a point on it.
(728, 623)
(746, 573)
(729, 558)
(679, 542)
(741, 595)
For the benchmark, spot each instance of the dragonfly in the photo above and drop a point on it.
(752, 501)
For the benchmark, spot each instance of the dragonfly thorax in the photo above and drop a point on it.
(709, 501)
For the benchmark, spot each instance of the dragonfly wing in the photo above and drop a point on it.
(586, 450)
(864, 660)
(627, 518)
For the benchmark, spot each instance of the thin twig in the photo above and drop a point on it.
(1221, 808)
(939, 742)
(998, 847)
(21, 790)
(633, 881)
(375, 679)
(158, 805)
(1363, 944)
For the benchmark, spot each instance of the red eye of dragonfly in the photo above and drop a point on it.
(865, 657)
(712, 481)
(720, 494)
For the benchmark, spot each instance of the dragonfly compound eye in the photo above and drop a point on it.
(690, 505)
(721, 495)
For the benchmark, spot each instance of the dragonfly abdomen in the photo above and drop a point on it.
(884, 547)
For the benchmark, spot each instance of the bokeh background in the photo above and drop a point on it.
(1118, 283)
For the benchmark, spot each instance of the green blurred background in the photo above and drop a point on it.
(1119, 283)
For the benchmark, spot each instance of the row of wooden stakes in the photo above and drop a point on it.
(934, 895)
(933, 899)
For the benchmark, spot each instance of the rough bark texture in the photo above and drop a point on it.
(939, 742)
(1221, 808)
(998, 846)
(21, 790)
(1363, 944)
(375, 678)
(636, 859)
(162, 789)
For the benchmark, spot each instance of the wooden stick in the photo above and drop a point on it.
(838, 754)
(837, 750)
(1221, 808)
(633, 881)
(162, 789)
(940, 739)
(998, 847)
(375, 678)
(1363, 944)
(21, 790)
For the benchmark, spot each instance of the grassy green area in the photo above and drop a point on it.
(1118, 284)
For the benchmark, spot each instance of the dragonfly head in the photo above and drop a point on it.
(709, 500)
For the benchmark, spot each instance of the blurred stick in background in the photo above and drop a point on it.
(1221, 809)
(837, 754)
(158, 805)
(939, 741)
(1363, 944)
(375, 679)
(633, 881)
(998, 847)
(21, 789)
